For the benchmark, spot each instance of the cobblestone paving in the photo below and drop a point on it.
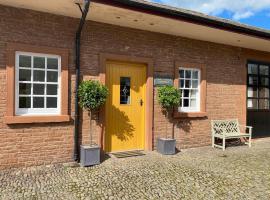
(202, 173)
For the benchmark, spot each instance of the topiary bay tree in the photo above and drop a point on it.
(168, 98)
(92, 95)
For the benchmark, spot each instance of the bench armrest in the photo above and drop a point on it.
(248, 127)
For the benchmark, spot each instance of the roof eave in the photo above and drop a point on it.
(188, 17)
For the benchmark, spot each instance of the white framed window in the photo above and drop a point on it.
(189, 85)
(37, 84)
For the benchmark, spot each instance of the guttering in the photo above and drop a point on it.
(84, 11)
(188, 16)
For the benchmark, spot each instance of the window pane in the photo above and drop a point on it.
(24, 102)
(25, 88)
(252, 69)
(52, 63)
(39, 62)
(264, 81)
(52, 76)
(187, 84)
(38, 89)
(52, 89)
(182, 73)
(193, 93)
(263, 104)
(186, 93)
(195, 74)
(51, 102)
(182, 83)
(252, 103)
(193, 103)
(186, 103)
(195, 84)
(253, 80)
(38, 102)
(188, 73)
(124, 90)
(24, 75)
(264, 70)
(25, 61)
(264, 92)
(252, 92)
(39, 76)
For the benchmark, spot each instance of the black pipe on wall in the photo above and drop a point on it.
(76, 155)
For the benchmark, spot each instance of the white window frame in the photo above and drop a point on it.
(198, 96)
(37, 111)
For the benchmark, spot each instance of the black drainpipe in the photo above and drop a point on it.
(76, 156)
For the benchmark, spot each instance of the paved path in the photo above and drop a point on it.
(202, 173)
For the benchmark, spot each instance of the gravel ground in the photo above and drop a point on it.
(201, 173)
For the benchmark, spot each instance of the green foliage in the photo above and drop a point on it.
(168, 97)
(92, 95)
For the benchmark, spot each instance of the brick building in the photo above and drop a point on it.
(221, 67)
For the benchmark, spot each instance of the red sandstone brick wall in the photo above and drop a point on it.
(36, 144)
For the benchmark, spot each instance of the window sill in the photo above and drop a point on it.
(35, 119)
(189, 114)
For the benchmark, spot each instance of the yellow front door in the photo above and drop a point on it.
(125, 106)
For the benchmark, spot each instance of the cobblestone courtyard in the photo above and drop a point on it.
(202, 173)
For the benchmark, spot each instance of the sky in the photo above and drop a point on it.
(252, 12)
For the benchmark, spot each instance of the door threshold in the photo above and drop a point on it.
(126, 154)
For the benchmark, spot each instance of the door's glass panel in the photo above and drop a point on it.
(252, 69)
(264, 81)
(253, 80)
(252, 92)
(264, 70)
(25, 61)
(39, 62)
(25, 102)
(264, 92)
(252, 103)
(124, 90)
(263, 104)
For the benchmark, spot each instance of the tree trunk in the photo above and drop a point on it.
(172, 127)
(166, 123)
(91, 128)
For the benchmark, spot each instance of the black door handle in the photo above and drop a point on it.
(141, 102)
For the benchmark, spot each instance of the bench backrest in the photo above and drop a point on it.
(223, 127)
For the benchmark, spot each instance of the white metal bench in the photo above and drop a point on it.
(229, 129)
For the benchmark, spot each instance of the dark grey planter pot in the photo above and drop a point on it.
(90, 155)
(166, 146)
